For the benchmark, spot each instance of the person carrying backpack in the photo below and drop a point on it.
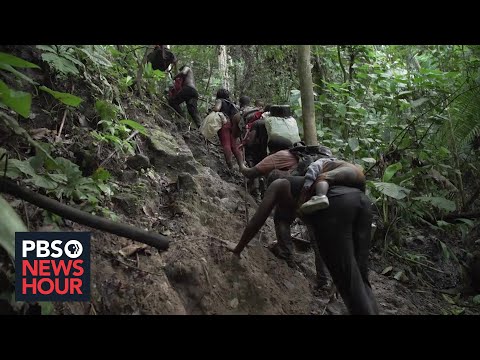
(321, 171)
(227, 133)
(184, 90)
(162, 58)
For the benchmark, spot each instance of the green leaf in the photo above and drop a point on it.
(418, 102)
(46, 48)
(58, 178)
(448, 299)
(46, 308)
(101, 175)
(445, 251)
(18, 101)
(60, 64)
(135, 125)
(476, 299)
(10, 223)
(42, 182)
(439, 202)
(387, 270)
(17, 73)
(467, 221)
(353, 143)
(456, 310)
(23, 166)
(391, 189)
(96, 57)
(442, 223)
(16, 61)
(390, 171)
(369, 160)
(342, 109)
(66, 98)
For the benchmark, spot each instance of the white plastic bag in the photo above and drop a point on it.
(211, 124)
(284, 127)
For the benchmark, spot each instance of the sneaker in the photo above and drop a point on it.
(314, 204)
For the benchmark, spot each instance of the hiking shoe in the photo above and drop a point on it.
(314, 204)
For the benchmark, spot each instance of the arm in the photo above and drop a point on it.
(271, 198)
(218, 105)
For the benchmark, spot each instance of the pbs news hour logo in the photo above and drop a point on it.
(52, 266)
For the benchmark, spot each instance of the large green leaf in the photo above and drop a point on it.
(390, 171)
(17, 73)
(439, 202)
(24, 166)
(60, 64)
(391, 189)
(96, 57)
(66, 98)
(42, 182)
(10, 223)
(134, 125)
(353, 143)
(18, 101)
(16, 61)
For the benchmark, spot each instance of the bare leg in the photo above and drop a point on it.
(321, 188)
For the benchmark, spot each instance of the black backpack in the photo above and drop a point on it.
(158, 61)
(307, 155)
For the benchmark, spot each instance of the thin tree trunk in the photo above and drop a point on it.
(223, 66)
(306, 89)
(341, 64)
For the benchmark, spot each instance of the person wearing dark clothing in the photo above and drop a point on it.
(227, 133)
(255, 151)
(341, 232)
(161, 58)
(185, 91)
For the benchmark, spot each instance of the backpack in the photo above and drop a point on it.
(176, 87)
(285, 127)
(158, 61)
(307, 155)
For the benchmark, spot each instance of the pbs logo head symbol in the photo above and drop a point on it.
(73, 249)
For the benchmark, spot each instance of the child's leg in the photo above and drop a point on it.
(321, 188)
(318, 201)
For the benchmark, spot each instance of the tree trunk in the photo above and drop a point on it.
(341, 64)
(306, 90)
(223, 66)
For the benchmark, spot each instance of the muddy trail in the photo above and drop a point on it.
(187, 194)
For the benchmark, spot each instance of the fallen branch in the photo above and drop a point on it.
(59, 135)
(156, 240)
